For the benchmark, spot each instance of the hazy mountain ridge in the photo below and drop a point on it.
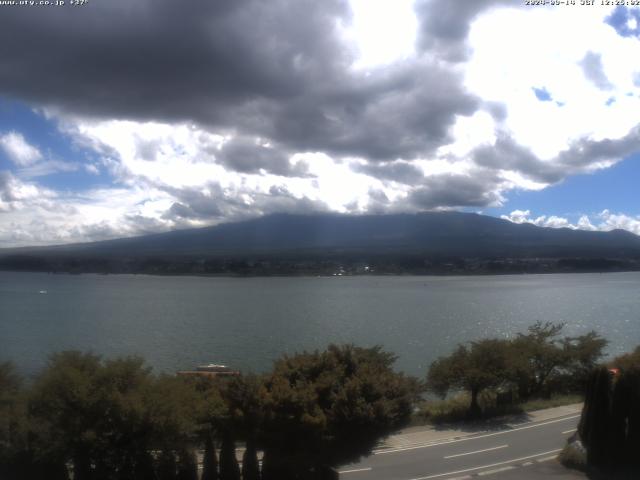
(354, 238)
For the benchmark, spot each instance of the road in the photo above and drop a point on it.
(479, 454)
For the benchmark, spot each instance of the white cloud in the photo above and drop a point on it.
(510, 56)
(603, 221)
(383, 31)
(160, 167)
(19, 150)
(611, 221)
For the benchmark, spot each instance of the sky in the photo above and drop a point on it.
(122, 118)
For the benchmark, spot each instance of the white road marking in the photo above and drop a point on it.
(546, 459)
(496, 470)
(465, 439)
(477, 451)
(569, 431)
(368, 469)
(486, 466)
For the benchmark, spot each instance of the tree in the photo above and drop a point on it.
(244, 396)
(16, 458)
(627, 361)
(187, 465)
(250, 468)
(66, 407)
(331, 407)
(539, 354)
(481, 365)
(229, 468)
(107, 416)
(10, 384)
(167, 465)
(582, 356)
(209, 462)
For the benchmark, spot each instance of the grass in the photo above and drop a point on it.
(554, 401)
(455, 409)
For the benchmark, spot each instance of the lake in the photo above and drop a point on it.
(180, 322)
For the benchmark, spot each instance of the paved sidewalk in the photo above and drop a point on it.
(424, 435)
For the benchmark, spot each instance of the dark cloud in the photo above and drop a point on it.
(506, 154)
(246, 155)
(401, 172)
(161, 58)
(592, 68)
(378, 203)
(586, 152)
(444, 25)
(278, 70)
(456, 190)
(214, 203)
(582, 156)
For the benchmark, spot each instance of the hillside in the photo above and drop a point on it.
(424, 237)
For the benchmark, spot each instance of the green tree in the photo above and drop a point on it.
(245, 398)
(66, 406)
(10, 390)
(187, 465)
(480, 365)
(582, 355)
(167, 465)
(16, 458)
(539, 354)
(107, 416)
(210, 461)
(627, 361)
(250, 467)
(331, 407)
(229, 468)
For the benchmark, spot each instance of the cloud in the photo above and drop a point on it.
(215, 202)
(250, 156)
(401, 172)
(225, 110)
(594, 71)
(603, 221)
(582, 156)
(444, 25)
(452, 190)
(16, 194)
(241, 68)
(19, 150)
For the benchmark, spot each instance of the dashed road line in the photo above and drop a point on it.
(496, 470)
(477, 451)
(355, 470)
(475, 437)
(546, 459)
(514, 460)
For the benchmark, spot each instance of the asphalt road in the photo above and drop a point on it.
(481, 454)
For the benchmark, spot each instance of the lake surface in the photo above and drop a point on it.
(179, 322)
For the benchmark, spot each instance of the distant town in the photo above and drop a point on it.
(330, 265)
